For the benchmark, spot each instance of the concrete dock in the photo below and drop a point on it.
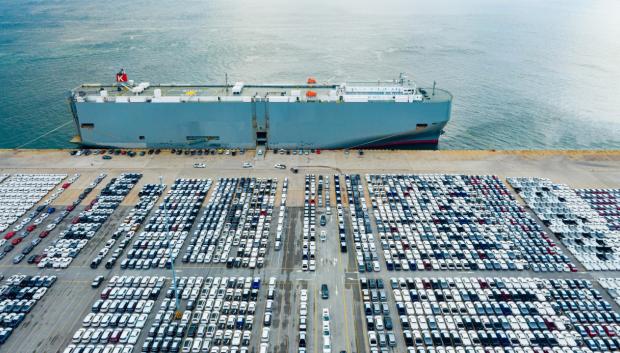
(50, 325)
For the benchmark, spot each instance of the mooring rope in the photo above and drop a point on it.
(45, 134)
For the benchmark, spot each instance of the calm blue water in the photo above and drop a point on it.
(525, 74)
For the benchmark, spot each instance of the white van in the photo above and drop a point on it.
(264, 338)
(263, 347)
(327, 347)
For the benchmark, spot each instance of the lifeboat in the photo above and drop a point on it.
(311, 94)
(311, 80)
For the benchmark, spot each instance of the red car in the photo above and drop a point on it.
(105, 293)
(31, 227)
(44, 234)
(16, 241)
(9, 235)
(115, 336)
(70, 208)
(66, 185)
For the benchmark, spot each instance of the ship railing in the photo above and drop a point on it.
(95, 97)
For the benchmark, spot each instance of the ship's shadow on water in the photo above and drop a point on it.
(417, 147)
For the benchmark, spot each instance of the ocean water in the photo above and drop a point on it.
(528, 74)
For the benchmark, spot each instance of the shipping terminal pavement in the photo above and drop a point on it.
(49, 327)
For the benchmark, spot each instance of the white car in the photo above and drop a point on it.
(264, 337)
(77, 337)
(247, 165)
(304, 295)
(279, 166)
(200, 165)
(325, 314)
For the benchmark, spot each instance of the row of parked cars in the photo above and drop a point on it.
(379, 324)
(148, 196)
(35, 218)
(42, 213)
(117, 319)
(19, 192)
(319, 191)
(18, 295)
(585, 232)
(612, 285)
(267, 316)
(304, 312)
(458, 222)
(606, 202)
(61, 252)
(216, 314)
(235, 224)
(342, 235)
(282, 216)
(365, 249)
(505, 314)
(303, 321)
(168, 226)
(308, 250)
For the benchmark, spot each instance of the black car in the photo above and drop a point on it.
(388, 323)
(324, 291)
(323, 220)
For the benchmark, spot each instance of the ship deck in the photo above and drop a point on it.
(249, 90)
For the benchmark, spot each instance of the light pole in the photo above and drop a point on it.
(177, 313)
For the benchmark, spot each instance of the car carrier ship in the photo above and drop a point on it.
(377, 114)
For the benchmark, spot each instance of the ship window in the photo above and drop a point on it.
(420, 126)
(87, 125)
(140, 137)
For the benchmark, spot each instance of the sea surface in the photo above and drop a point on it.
(527, 74)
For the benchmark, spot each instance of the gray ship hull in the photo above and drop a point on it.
(327, 125)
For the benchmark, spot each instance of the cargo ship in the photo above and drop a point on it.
(375, 114)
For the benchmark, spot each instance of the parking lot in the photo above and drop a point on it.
(53, 321)
(585, 220)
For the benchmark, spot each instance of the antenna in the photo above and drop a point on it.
(226, 82)
(434, 83)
